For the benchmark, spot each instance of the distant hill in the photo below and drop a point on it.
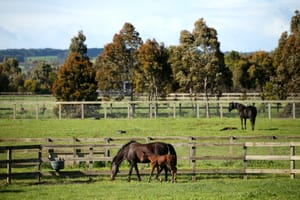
(60, 54)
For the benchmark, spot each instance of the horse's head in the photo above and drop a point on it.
(117, 160)
(231, 106)
(143, 156)
(114, 170)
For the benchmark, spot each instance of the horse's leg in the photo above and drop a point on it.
(166, 172)
(171, 169)
(130, 171)
(173, 176)
(245, 123)
(252, 123)
(159, 169)
(151, 172)
(242, 123)
(137, 171)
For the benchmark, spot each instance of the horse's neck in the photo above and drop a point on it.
(239, 106)
(119, 158)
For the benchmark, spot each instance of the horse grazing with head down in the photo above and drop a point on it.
(133, 152)
(245, 113)
(159, 161)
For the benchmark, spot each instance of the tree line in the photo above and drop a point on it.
(130, 66)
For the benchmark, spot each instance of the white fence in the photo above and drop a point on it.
(143, 109)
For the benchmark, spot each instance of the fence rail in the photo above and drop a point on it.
(243, 155)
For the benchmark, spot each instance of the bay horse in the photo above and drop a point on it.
(133, 152)
(245, 113)
(159, 161)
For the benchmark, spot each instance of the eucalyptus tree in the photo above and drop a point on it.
(286, 58)
(118, 61)
(154, 74)
(198, 63)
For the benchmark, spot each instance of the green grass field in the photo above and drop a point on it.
(206, 187)
(144, 127)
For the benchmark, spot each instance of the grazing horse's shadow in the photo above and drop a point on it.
(245, 113)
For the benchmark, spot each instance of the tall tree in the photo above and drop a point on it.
(11, 77)
(286, 59)
(153, 76)
(76, 77)
(40, 78)
(197, 63)
(261, 69)
(119, 60)
(233, 60)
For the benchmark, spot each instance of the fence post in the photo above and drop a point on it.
(198, 110)
(155, 110)
(294, 110)
(9, 163)
(245, 161)
(15, 111)
(174, 110)
(221, 111)
(269, 110)
(91, 153)
(292, 162)
(128, 110)
(150, 110)
(40, 163)
(180, 108)
(59, 111)
(82, 111)
(74, 150)
(37, 111)
(107, 149)
(105, 111)
(207, 109)
(192, 154)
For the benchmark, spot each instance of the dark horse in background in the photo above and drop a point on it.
(133, 153)
(245, 113)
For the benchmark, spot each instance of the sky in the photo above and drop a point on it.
(242, 25)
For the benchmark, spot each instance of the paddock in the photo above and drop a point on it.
(241, 156)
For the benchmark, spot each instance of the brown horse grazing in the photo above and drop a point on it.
(159, 161)
(133, 152)
(245, 113)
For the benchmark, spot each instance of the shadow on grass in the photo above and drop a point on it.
(11, 191)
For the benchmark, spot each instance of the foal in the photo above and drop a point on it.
(159, 161)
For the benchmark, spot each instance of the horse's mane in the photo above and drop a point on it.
(172, 151)
(121, 150)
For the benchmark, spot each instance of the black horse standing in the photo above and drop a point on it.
(245, 113)
(133, 152)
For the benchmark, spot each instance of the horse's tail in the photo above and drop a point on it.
(171, 150)
(254, 113)
(253, 117)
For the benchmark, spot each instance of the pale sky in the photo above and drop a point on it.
(242, 25)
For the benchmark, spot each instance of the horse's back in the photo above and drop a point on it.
(253, 111)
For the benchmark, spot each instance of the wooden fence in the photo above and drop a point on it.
(12, 162)
(143, 109)
(237, 155)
